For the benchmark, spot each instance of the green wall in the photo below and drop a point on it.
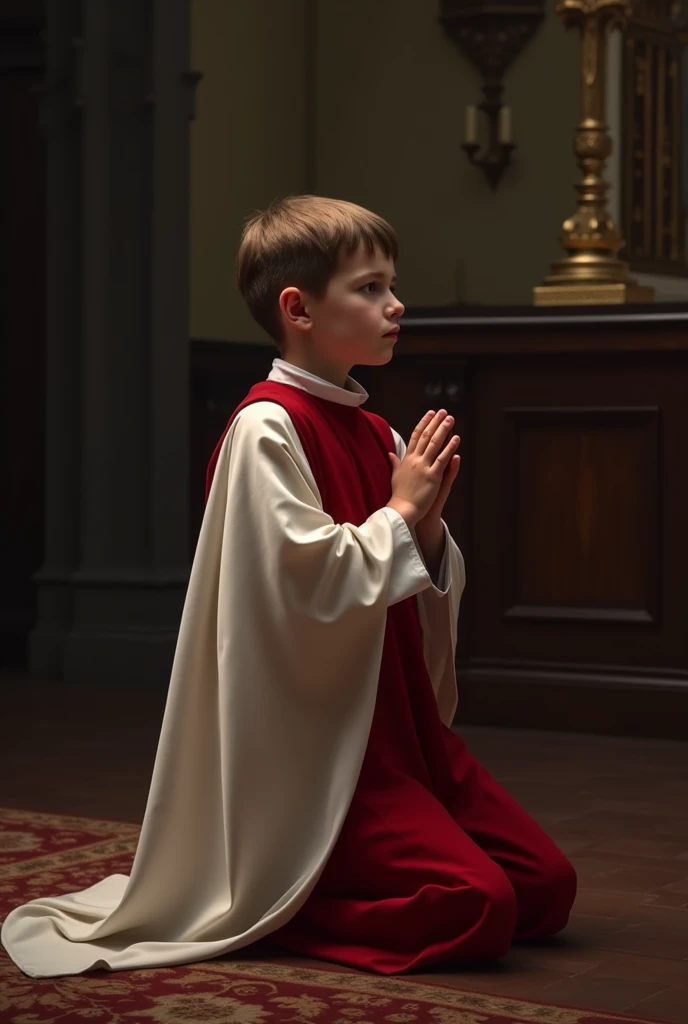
(386, 124)
(247, 142)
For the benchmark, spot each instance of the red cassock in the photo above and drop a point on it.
(435, 861)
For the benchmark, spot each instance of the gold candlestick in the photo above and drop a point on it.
(592, 272)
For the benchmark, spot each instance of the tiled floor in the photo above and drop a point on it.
(617, 807)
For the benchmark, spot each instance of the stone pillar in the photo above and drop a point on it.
(62, 130)
(112, 588)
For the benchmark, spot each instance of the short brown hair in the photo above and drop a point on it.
(298, 241)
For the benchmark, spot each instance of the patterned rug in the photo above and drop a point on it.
(46, 854)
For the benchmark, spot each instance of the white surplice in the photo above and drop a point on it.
(268, 711)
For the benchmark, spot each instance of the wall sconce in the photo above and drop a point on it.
(498, 152)
(491, 35)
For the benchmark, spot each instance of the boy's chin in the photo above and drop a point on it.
(379, 358)
(376, 360)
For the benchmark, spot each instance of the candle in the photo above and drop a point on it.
(505, 124)
(471, 124)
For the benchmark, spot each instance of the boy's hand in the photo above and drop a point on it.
(433, 516)
(422, 480)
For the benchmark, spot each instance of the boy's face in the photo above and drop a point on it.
(355, 322)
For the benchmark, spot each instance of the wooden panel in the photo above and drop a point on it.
(648, 466)
(581, 508)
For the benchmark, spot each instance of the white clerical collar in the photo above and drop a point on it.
(286, 373)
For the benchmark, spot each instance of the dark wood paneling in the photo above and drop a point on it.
(647, 506)
(581, 514)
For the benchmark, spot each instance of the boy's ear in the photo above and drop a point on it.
(292, 304)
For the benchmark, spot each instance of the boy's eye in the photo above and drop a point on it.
(374, 285)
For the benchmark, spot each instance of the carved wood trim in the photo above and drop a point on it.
(611, 700)
(584, 674)
(553, 613)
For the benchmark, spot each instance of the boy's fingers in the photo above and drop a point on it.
(449, 450)
(420, 427)
(450, 472)
(416, 436)
(429, 425)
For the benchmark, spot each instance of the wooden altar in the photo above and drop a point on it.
(571, 506)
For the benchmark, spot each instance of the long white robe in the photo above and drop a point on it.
(268, 712)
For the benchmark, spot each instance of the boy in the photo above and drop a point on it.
(307, 786)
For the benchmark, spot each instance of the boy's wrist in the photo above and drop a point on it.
(430, 539)
(407, 511)
(431, 526)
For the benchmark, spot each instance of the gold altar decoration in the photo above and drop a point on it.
(654, 114)
(592, 273)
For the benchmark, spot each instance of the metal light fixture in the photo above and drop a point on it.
(491, 35)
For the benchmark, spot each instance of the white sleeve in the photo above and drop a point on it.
(438, 610)
(325, 569)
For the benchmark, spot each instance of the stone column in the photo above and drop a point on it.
(62, 130)
(116, 571)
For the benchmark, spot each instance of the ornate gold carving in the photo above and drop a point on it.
(590, 236)
(653, 215)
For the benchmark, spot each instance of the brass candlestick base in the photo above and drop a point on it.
(592, 294)
(590, 279)
(592, 272)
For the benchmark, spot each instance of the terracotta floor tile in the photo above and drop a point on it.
(647, 879)
(669, 900)
(594, 873)
(562, 958)
(666, 936)
(670, 1005)
(524, 984)
(572, 847)
(607, 903)
(601, 991)
(648, 968)
(652, 866)
(681, 887)
(652, 848)
(584, 925)
(670, 828)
